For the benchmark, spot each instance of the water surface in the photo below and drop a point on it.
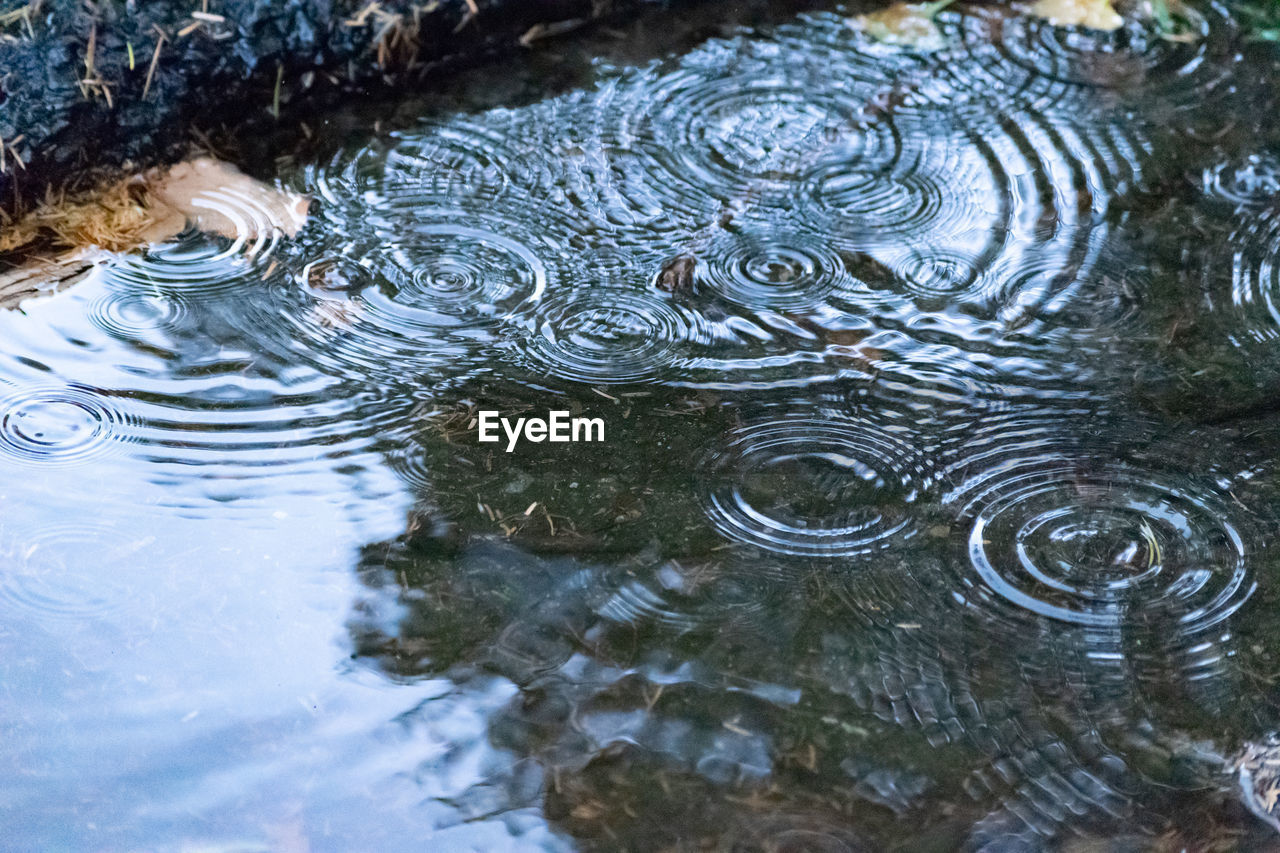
(933, 515)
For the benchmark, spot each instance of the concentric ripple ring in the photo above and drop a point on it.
(58, 425)
(1088, 546)
(779, 273)
(610, 335)
(74, 570)
(816, 488)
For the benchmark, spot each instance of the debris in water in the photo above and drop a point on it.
(218, 198)
(677, 274)
(1093, 14)
(904, 24)
(56, 244)
(542, 32)
(1257, 769)
(41, 276)
(1174, 20)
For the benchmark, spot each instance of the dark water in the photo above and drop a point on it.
(935, 514)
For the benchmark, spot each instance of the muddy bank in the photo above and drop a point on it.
(88, 88)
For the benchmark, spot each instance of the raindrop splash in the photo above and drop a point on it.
(816, 488)
(63, 425)
(1091, 544)
(607, 335)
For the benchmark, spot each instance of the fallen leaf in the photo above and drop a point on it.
(904, 24)
(1094, 14)
(218, 198)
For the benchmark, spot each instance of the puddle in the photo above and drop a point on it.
(932, 510)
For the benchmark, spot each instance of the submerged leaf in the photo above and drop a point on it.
(1094, 14)
(904, 24)
(218, 198)
(1174, 20)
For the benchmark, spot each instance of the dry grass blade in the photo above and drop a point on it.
(10, 149)
(24, 14)
(396, 34)
(540, 32)
(115, 220)
(155, 59)
(152, 207)
(56, 244)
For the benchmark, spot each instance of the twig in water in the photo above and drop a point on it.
(155, 60)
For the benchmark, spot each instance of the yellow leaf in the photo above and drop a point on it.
(1094, 14)
(904, 24)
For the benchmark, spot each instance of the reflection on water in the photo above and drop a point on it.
(932, 512)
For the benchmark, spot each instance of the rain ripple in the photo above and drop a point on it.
(70, 570)
(816, 487)
(1251, 299)
(750, 133)
(130, 314)
(447, 273)
(903, 198)
(1006, 52)
(612, 336)
(238, 248)
(1249, 181)
(410, 302)
(744, 120)
(984, 230)
(434, 160)
(777, 271)
(251, 439)
(1054, 530)
(60, 425)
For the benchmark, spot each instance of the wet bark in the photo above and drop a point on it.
(87, 88)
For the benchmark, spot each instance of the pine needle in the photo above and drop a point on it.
(155, 59)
